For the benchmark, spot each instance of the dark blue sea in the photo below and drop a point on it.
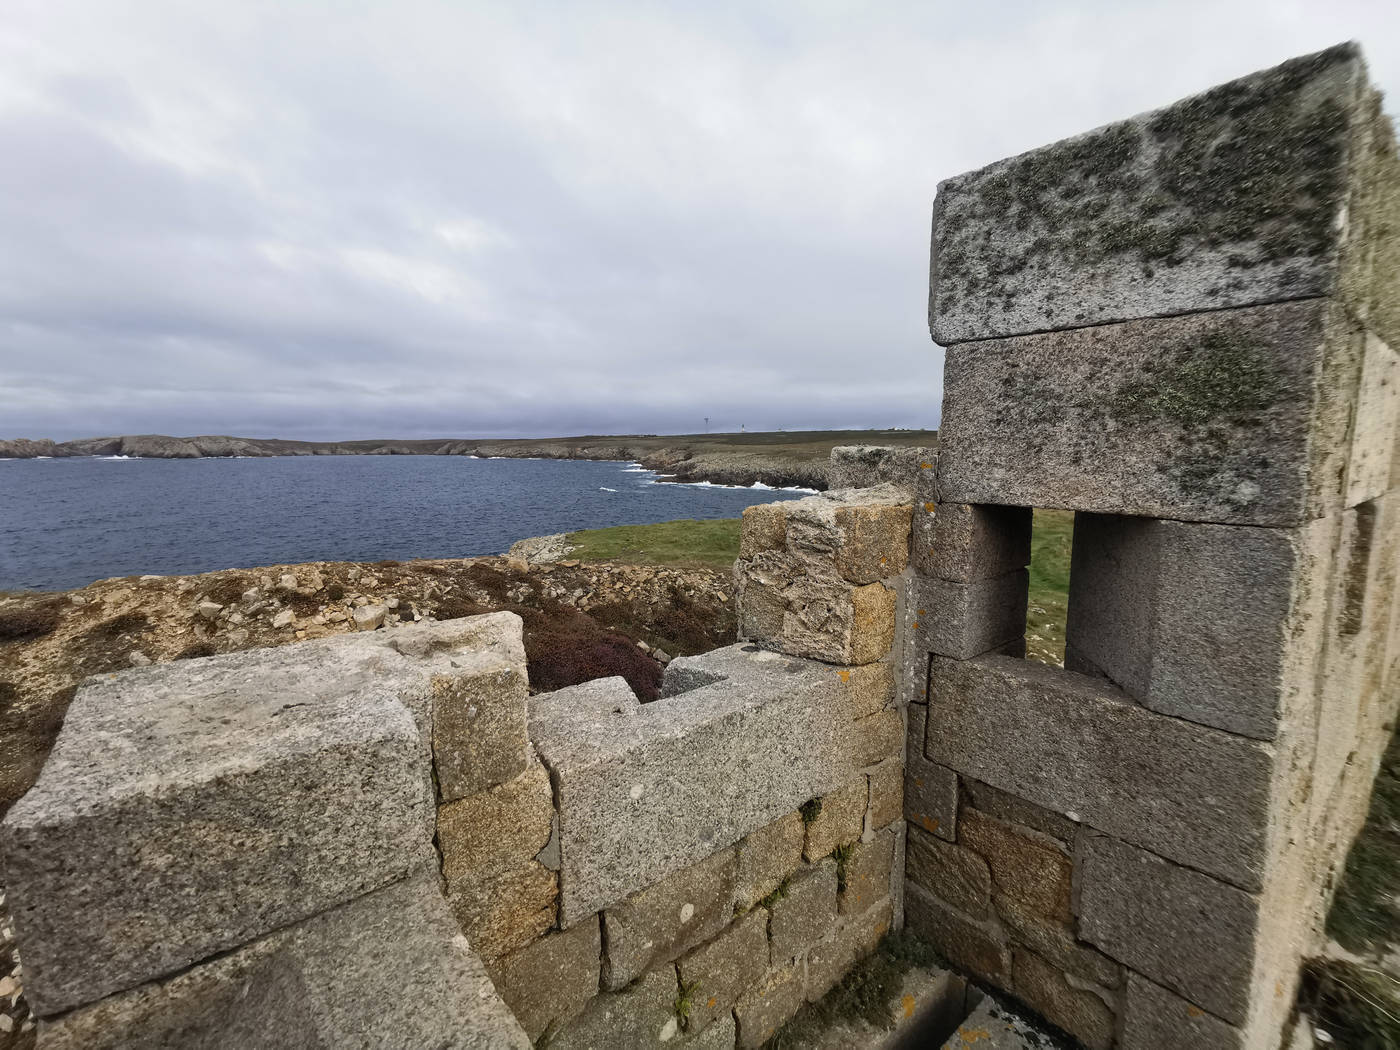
(67, 522)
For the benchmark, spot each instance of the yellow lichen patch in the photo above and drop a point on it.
(929, 507)
(908, 1003)
(973, 1035)
(845, 676)
(1193, 1011)
(925, 466)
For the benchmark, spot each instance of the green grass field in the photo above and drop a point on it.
(710, 544)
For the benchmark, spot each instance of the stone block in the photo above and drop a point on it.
(867, 466)
(505, 909)
(851, 940)
(976, 947)
(839, 820)
(501, 828)
(641, 1016)
(551, 979)
(865, 876)
(182, 801)
(886, 792)
(1373, 442)
(956, 874)
(1229, 198)
(804, 912)
(875, 541)
(763, 528)
(1078, 746)
(387, 970)
(1078, 1011)
(869, 688)
(962, 620)
(716, 974)
(668, 919)
(645, 790)
(1209, 623)
(1184, 930)
(1031, 870)
(479, 705)
(930, 796)
(767, 856)
(1207, 417)
(1012, 810)
(1055, 942)
(1153, 1017)
(823, 616)
(769, 1005)
(876, 738)
(971, 543)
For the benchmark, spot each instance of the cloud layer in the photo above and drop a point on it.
(332, 220)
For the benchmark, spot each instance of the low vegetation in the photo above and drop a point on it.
(1051, 540)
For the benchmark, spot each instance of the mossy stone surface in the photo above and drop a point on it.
(1233, 197)
(1206, 417)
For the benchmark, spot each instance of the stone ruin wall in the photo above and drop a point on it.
(1181, 327)
(384, 840)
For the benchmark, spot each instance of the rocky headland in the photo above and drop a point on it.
(777, 459)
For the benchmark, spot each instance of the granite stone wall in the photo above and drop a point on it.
(1181, 327)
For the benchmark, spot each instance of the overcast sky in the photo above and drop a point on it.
(355, 219)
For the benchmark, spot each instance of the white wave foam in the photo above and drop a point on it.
(604, 488)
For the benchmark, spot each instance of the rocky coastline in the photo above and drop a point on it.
(777, 460)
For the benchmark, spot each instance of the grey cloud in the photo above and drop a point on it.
(326, 220)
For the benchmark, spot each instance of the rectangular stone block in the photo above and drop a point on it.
(1217, 624)
(1075, 745)
(886, 792)
(1056, 943)
(867, 466)
(1013, 810)
(716, 974)
(963, 620)
(1030, 869)
(1225, 199)
(865, 875)
(837, 820)
(645, 790)
(971, 543)
(182, 800)
(1206, 417)
(388, 969)
(551, 979)
(504, 910)
(1079, 1011)
(480, 735)
(767, 856)
(1373, 442)
(949, 871)
(763, 528)
(869, 688)
(855, 937)
(876, 738)
(668, 919)
(991, 1026)
(804, 911)
(497, 829)
(1184, 930)
(642, 1016)
(930, 795)
(766, 1007)
(799, 605)
(1153, 1017)
(973, 946)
